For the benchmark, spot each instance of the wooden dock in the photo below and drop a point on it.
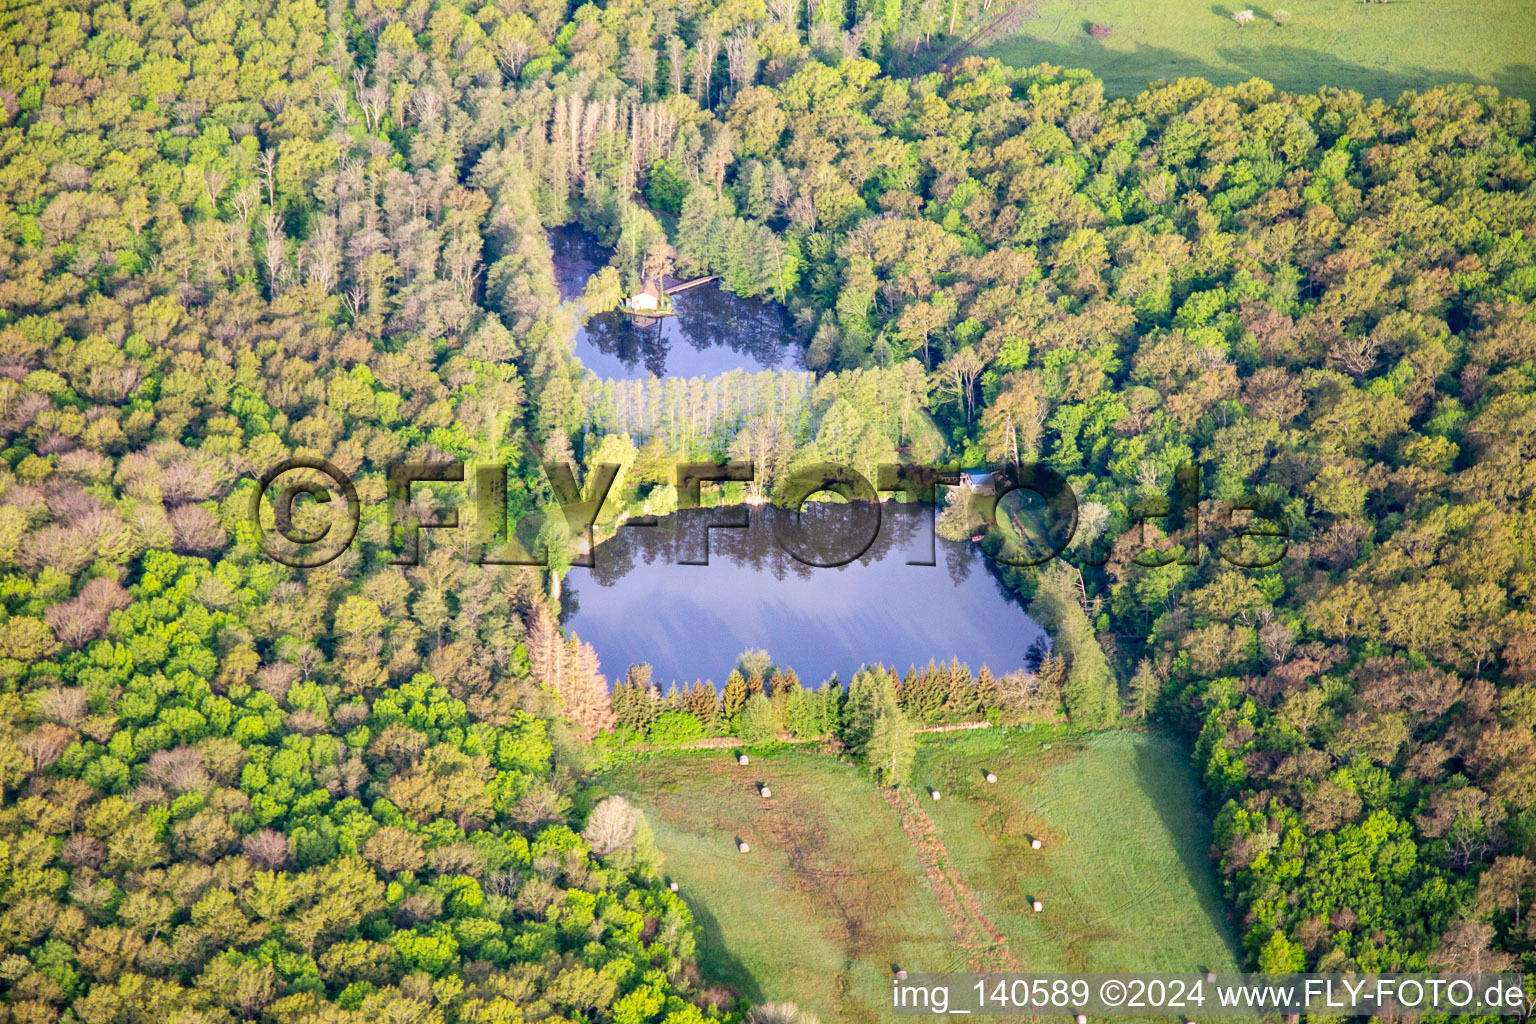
(691, 284)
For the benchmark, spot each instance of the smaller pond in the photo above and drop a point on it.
(640, 603)
(713, 332)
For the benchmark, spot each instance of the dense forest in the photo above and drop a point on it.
(231, 790)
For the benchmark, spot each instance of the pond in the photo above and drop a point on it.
(714, 331)
(638, 602)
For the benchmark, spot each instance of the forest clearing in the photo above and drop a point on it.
(830, 901)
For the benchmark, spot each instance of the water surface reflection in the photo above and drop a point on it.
(713, 331)
(641, 602)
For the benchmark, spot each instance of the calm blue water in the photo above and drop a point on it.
(714, 331)
(637, 603)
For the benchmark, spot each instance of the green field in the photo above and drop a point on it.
(835, 893)
(1373, 48)
(1125, 875)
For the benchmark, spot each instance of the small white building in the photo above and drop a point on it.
(645, 299)
(978, 481)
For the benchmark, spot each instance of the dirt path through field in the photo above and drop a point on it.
(984, 943)
(1007, 20)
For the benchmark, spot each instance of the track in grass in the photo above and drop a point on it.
(1124, 874)
(986, 947)
(831, 897)
(844, 884)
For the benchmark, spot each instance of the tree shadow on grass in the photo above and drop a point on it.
(1279, 63)
(717, 964)
(1288, 67)
(1188, 826)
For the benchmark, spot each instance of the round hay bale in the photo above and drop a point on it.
(672, 886)
(1034, 844)
(1081, 1018)
(901, 975)
(1210, 976)
(991, 777)
(743, 847)
(742, 759)
(935, 794)
(767, 792)
(1036, 905)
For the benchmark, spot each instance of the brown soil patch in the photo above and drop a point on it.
(983, 941)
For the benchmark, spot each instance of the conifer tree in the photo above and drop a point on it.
(832, 699)
(702, 702)
(801, 713)
(1145, 689)
(892, 746)
(635, 699)
(987, 692)
(908, 689)
(870, 693)
(960, 695)
(779, 693)
(734, 695)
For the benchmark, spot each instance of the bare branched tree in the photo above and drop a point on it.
(612, 826)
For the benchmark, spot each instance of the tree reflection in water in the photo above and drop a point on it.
(641, 602)
(714, 331)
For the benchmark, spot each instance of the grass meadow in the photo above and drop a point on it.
(1378, 49)
(1124, 873)
(842, 885)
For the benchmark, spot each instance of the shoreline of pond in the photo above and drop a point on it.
(687, 594)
